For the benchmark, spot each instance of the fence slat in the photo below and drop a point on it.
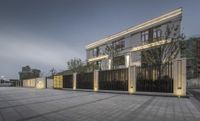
(155, 78)
(113, 80)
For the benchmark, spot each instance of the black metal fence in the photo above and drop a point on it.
(154, 78)
(68, 81)
(113, 80)
(85, 80)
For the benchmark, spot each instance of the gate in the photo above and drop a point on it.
(68, 81)
(113, 80)
(154, 78)
(85, 80)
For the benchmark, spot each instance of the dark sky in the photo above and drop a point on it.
(47, 33)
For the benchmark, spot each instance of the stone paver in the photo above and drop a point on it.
(27, 104)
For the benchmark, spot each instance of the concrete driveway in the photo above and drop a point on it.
(26, 104)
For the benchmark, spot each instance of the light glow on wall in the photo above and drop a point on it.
(40, 85)
(154, 44)
(29, 83)
(127, 60)
(58, 81)
(95, 89)
(109, 64)
(74, 81)
(98, 58)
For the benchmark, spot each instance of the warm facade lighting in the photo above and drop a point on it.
(40, 85)
(154, 44)
(127, 60)
(109, 64)
(74, 81)
(98, 58)
(95, 89)
(58, 81)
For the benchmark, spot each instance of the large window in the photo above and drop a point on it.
(119, 44)
(151, 35)
(157, 33)
(144, 36)
(96, 52)
(119, 60)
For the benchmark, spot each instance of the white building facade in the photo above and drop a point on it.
(124, 49)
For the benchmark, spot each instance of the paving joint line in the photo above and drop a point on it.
(34, 97)
(43, 101)
(71, 107)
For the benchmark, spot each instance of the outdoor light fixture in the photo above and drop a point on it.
(95, 89)
(131, 90)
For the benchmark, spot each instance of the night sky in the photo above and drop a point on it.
(47, 33)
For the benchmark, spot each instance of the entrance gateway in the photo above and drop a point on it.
(168, 78)
(153, 77)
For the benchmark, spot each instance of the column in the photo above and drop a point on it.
(74, 81)
(96, 80)
(179, 76)
(132, 79)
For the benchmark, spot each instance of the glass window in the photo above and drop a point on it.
(95, 52)
(154, 33)
(119, 44)
(145, 36)
(119, 60)
(101, 50)
(157, 33)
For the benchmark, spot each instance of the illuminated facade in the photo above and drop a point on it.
(39, 83)
(124, 48)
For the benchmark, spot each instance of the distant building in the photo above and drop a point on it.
(28, 73)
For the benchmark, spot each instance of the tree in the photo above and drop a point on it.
(112, 52)
(164, 53)
(53, 72)
(89, 67)
(189, 50)
(76, 65)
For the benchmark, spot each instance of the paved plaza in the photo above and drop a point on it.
(27, 104)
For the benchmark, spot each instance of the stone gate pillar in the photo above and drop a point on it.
(132, 79)
(96, 80)
(74, 81)
(179, 76)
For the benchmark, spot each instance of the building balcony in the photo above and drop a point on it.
(100, 57)
(147, 45)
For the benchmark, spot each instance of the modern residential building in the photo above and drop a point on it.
(125, 48)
